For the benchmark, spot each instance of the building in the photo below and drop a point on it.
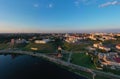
(92, 37)
(44, 41)
(110, 59)
(108, 38)
(104, 48)
(32, 48)
(72, 39)
(100, 46)
(118, 34)
(117, 59)
(118, 46)
(91, 48)
(20, 41)
(12, 42)
(97, 45)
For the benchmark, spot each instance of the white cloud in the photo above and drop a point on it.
(109, 3)
(50, 5)
(77, 3)
(85, 2)
(36, 5)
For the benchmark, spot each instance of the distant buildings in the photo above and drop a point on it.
(92, 37)
(110, 59)
(32, 48)
(107, 37)
(102, 36)
(71, 38)
(18, 41)
(118, 34)
(97, 45)
(44, 41)
(91, 48)
(100, 46)
(104, 48)
(118, 46)
(12, 42)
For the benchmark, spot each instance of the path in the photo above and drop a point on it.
(58, 61)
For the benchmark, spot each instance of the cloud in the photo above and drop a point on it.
(36, 5)
(50, 5)
(84, 2)
(77, 2)
(109, 4)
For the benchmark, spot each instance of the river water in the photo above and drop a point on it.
(13, 66)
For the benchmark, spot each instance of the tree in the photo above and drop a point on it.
(57, 42)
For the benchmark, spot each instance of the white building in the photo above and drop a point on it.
(44, 41)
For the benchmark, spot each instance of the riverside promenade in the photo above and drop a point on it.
(63, 63)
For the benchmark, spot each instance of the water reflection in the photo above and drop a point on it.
(15, 66)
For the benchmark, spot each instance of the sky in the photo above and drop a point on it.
(59, 15)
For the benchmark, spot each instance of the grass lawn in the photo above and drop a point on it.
(4, 46)
(43, 48)
(82, 59)
(74, 47)
(108, 70)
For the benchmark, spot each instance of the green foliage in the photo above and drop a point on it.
(57, 42)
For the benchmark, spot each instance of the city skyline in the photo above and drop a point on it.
(59, 16)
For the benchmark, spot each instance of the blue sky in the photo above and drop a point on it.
(59, 15)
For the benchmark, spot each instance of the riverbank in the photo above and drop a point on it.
(73, 67)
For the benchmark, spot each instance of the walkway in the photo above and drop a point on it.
(58, 61)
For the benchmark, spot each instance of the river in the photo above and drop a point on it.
(14, 66)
